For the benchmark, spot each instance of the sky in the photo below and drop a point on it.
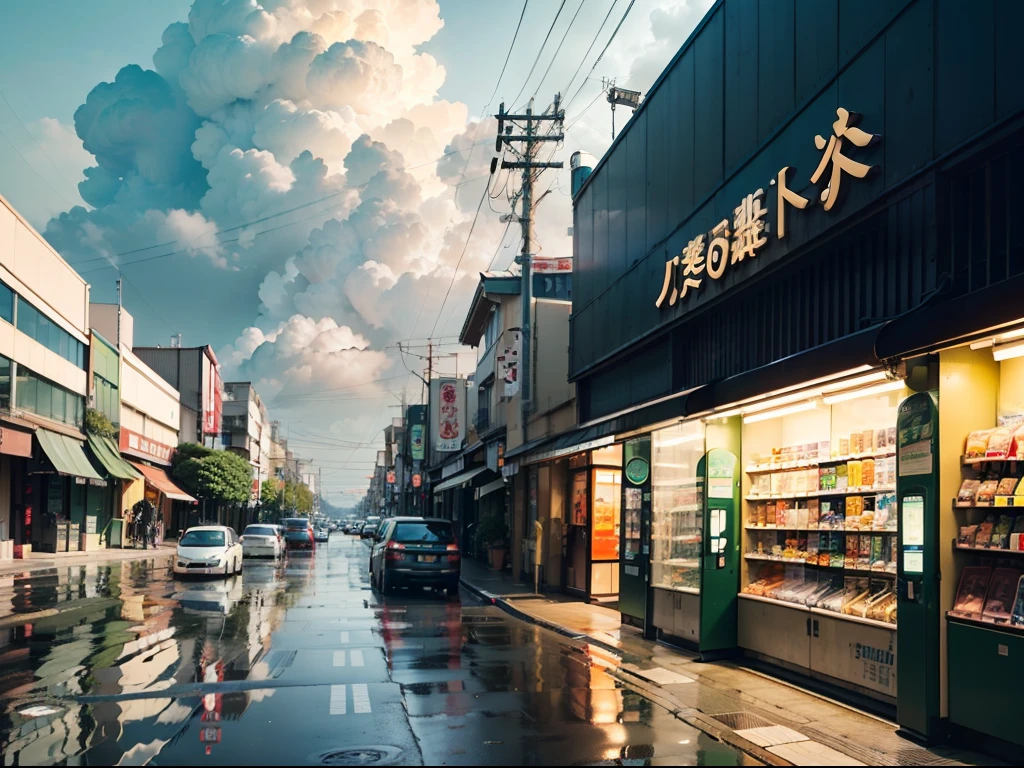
(296, 182)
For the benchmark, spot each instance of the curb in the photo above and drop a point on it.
(656, 693)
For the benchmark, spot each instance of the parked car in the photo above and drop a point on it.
(298, 535)
(322, 534)
(262, 540)
(378, 534)
(420, 553)
(208, 549)
(369, 526)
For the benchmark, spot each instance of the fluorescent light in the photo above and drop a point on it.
(679, 440)
(983, 344)
(1015, 334)
(889, 386)
(1007, 351)
(856, 382)
(775, 402)
(726, 414)
(765, 415)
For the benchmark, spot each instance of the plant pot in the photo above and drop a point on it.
(497, 558)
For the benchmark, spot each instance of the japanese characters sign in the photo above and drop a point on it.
(449, 407)
(733, 240)
(139, 445)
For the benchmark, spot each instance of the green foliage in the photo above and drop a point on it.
(98, 424)
(220, 476)
(296, 496)
(491, 532)
(269, 497)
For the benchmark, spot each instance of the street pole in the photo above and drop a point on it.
(119, 315)
(528, 163)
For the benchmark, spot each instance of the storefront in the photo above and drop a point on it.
(105, 507)
(813, 249)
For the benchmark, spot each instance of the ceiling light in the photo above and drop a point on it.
(683, 439)
(1007, 351)
(765, 415)
(983, 344)
(855, 382)
(889, 386)
(775, 402)
(1014, 334)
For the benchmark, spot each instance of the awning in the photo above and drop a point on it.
(572, 442)
(496, 485)
(159, 479)
(105, 450)
(66, 454)
(460, 479)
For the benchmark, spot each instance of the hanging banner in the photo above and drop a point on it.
(551, 265)
(416, 441)
(448, 413)
(510, 365)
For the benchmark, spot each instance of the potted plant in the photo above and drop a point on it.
(492, 535)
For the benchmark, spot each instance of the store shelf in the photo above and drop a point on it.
(1000, 502)
(1013, 629)
(686, 508)
(773, 601)
(760, 469)
(987, 550)
(688, 562)
(986, 460)
(805, 564)
(853, 491)
(816, 530)
(855, 619)
(686, 590)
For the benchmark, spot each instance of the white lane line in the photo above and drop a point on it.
(338, 700)
(360, 699)
(357, 658)
(339, 658)
(344, 636)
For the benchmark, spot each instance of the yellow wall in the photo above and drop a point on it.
(968, 389)
(131, 493)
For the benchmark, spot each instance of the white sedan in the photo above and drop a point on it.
(208, 549)
(262, 540)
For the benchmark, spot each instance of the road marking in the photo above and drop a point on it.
(339, 658)
(357, 658)
(360, 699)
(344, 636)
(338, 700)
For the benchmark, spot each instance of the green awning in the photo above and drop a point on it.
(66, 454)
(105, 450)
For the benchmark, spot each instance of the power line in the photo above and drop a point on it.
(605, 49)
(36, 142)
(559, 48)
(139, 294)
(539, 52)
(590, 47)
(37, 173)
(508, 55)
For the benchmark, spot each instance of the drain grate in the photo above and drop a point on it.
(741, 721)
(360, 756)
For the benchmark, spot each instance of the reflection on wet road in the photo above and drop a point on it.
(302, 663)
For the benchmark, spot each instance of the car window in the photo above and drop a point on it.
(421, 532)
(259, 530)
(202, 539)
(296, 523)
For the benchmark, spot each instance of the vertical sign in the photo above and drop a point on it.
(451, 413)
(416, 440)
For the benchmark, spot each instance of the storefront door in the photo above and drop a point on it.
(577, 539)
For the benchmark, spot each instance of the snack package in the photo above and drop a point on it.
(844, 447)
(780, 513)
(966, 535)
(878, 553)
(856, 443)
(827, 478)
(770, 518)
(824, 544)
(800, 516)
(842, 477)
(824, 450)
(890, 438)
(977, 443)
(999, 598)
(867, 473)
(1001, 532)
(864, 553)
(880, 439)
(1017, 447)
(970, 595)
(813, 510)
(762, 515)
(1006, 486)
(983, 538)
(867, 441)
(852, 549)
(787, 483)
(854, 474)
(1017, 617)
(999, 443)
(987, 492)
(776, 483)
(968, 493)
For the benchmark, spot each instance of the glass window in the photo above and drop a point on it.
(202, 539)
(423, 533)
(58, 400)
(28, 318)
(55, 335)
(607, 493)
(677, 513)
(79, 415)
(5, 382)
(64, 343)
(6, 303)
(44, 398)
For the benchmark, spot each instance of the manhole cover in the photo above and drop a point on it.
(741, 721)
(360, 756)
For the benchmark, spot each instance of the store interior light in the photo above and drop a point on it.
(1008, 351)
(983, 344)
(1014, 334)
(779, 412)
(880, 389)
(680, 440)
(859, 381)
(775, 402)
(726, 414)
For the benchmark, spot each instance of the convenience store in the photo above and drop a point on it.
(805, 228)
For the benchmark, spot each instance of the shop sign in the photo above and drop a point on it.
(729, 243)
(551, 265)
(637, 470)
(417, 480)
(140, 445)
(416, 440)
(451, 407)
(509, 362)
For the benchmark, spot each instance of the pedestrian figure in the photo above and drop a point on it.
(144, 514)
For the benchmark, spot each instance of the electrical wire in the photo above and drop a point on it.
(590, 47)
(507, 56)
(539, 52)
(559, 48)
(37, 173)
(152, 308)
(603, 50)
(585, 109)
(36, 142)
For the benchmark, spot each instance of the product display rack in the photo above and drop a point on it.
(677, 536)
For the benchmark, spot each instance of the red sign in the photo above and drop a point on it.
(551, 265)
(212, 395)
(140, 445)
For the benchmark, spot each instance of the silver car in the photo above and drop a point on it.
(262, 540)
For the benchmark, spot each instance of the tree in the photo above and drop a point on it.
(220, 476)
(296, 496)
(269, 497)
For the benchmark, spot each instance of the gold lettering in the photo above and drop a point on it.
(842, 128)
(748, 227)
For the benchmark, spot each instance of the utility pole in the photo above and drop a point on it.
(119, 315)
(528, 143)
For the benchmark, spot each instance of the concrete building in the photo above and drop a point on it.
(194, 372)
(47, 481)
(245, 429)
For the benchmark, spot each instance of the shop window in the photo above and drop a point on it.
(607, 493)
(607, 457)
(33, 323)
(677, 510)
(6, 303)
(43, 398)
(28, 318)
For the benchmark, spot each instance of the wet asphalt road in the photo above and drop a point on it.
(302, 663)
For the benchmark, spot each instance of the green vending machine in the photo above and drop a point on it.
(635, 554)
(917, 636)
(721, 551)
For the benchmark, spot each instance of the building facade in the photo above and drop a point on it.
(795, 312)
(245, 429)
(194, 373)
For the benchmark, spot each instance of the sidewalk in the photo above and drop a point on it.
(775, 722)
(45, 561)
